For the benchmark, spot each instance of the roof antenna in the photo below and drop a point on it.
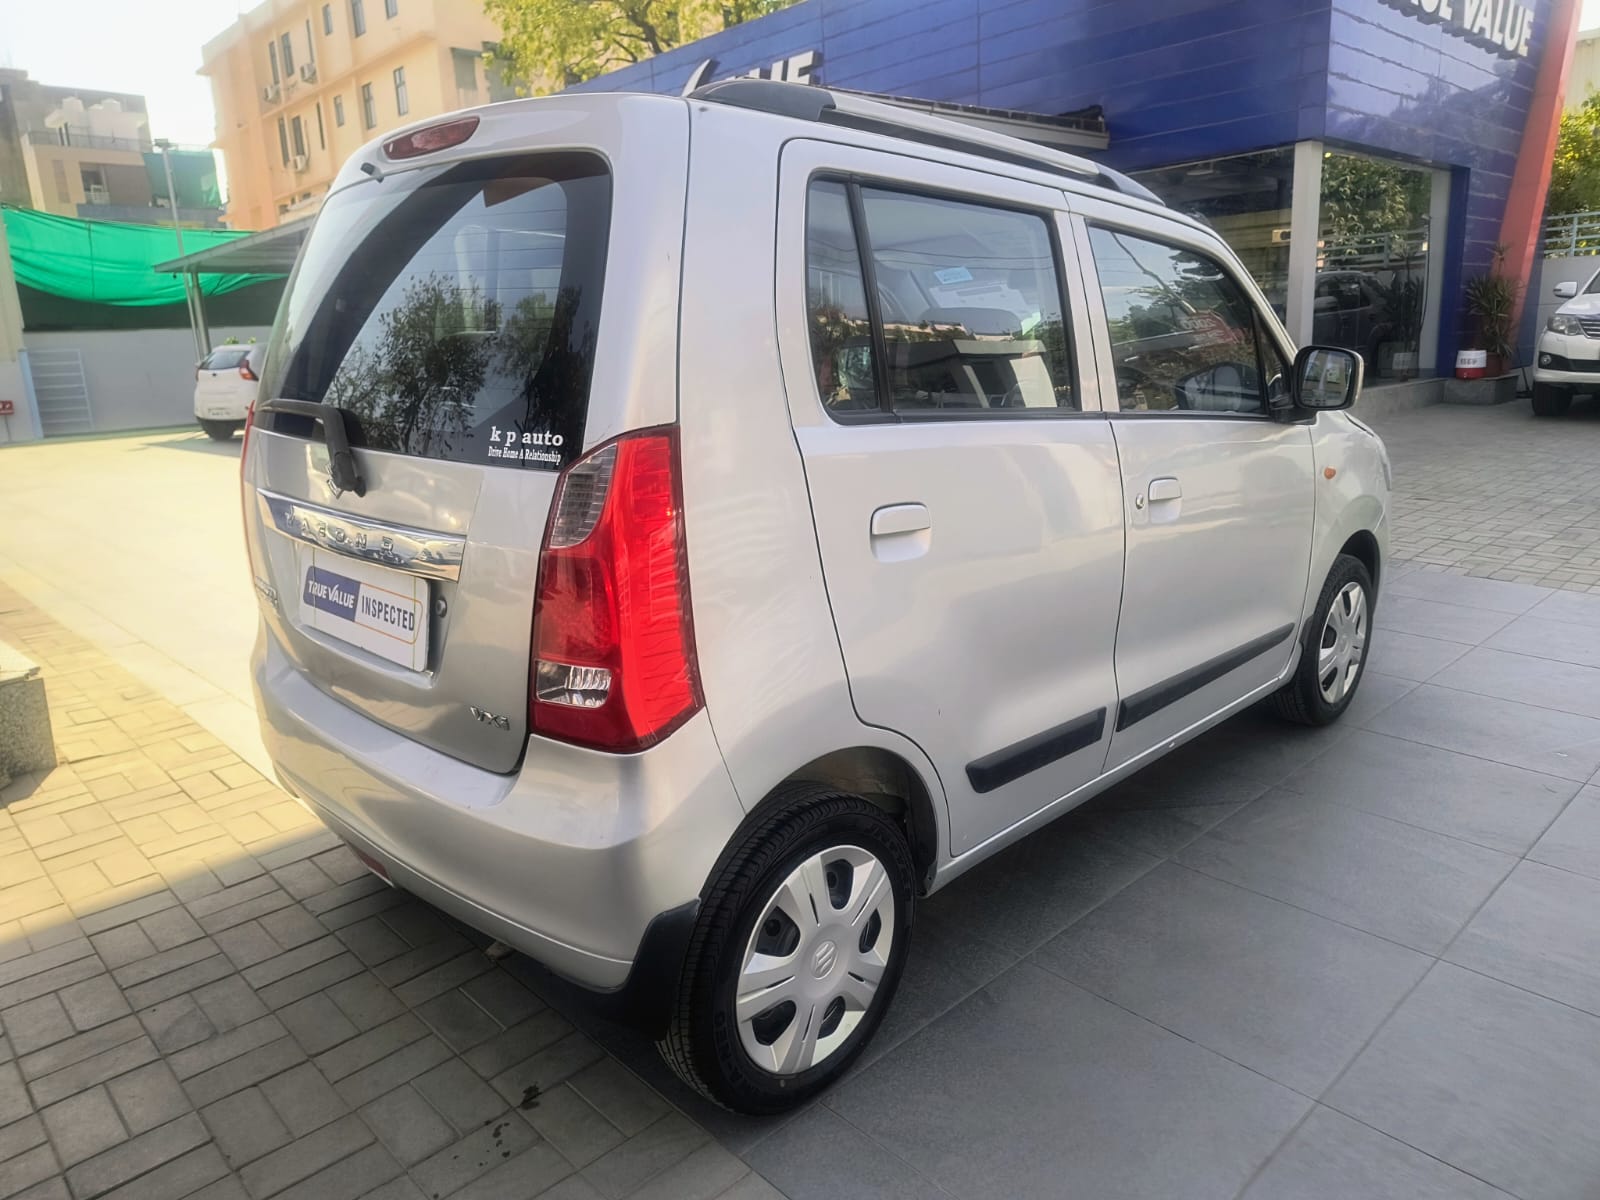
(373, 169)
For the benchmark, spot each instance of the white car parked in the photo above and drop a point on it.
(1568, 361)
(225, 383)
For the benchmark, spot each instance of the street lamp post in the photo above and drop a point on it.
(191, 297)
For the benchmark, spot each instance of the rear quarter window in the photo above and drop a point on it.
(453, 315)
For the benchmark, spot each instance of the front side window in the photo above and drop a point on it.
(369, 110)
(968, 319)
(453, 314)
(1184, 334)
(358, 18)
(402, 104)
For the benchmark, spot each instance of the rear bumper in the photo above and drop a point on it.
(572, 860)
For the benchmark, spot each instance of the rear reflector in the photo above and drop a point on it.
(435, 137)
(246, 373)
(613, 646)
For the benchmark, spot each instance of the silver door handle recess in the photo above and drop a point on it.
(1165, 489)
(900, 518)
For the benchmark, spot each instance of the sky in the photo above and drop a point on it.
(154, 48)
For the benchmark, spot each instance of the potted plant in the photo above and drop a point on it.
(1492, 299)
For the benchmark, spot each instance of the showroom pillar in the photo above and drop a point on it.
(1305, 220)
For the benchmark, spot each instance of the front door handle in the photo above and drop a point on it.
(900, 518)
(1165, 488)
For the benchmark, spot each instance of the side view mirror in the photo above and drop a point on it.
(1566, 291)
(1324, 304)
(1327, 377)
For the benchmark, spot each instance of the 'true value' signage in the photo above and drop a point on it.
(1504, 26)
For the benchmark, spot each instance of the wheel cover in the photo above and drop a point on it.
(1344, 643)
(815, 960)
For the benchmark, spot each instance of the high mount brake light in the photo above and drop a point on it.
(434, 137)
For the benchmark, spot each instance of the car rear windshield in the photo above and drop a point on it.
(453, 314)
(225, 358)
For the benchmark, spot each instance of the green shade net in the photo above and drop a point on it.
(103, 262)
(194, 178)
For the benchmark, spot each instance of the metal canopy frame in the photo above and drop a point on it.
(270, 252)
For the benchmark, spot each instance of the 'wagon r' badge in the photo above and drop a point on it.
(488, 718)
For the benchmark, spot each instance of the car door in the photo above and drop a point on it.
(963, 483)
(1217, 491)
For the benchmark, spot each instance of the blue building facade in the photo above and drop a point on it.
(1439, 87)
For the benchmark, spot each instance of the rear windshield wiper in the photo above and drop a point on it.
(342, 470)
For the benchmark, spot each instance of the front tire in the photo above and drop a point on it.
(796, 953)
(1333, 652)
(219, 431)
(1549, 400)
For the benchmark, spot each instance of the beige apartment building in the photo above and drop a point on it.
(301, 84)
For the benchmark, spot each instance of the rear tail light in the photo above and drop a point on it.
(246, 373)
(435, 137)
(613, 644)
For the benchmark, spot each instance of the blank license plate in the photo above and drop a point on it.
(384, 612)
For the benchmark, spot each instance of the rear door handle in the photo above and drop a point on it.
(900, 518)
(1165, 488)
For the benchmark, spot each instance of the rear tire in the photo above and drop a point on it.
(821, 853)
(1333, 650)
(1549, 400)
(219, 431)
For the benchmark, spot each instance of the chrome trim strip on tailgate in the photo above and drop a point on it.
(414, 551)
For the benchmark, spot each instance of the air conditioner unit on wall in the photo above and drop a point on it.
(300, 161)
(308, 71)
(269, 94)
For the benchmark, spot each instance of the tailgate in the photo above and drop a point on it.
(459, 317)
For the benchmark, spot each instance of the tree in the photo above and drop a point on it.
(1575, 174)
(1362, 197)
(551, 44)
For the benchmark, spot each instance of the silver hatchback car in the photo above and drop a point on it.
(690, 530)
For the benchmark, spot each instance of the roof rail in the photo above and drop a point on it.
(857, 110)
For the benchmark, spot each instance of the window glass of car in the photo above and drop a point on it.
(969, 315)
(836, 304)
(454, 314)
(225, 358)
(1184, 334)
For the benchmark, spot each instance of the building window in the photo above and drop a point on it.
(391, 8)
(338, 111)
(401, 104)
(272, 57)
(358, 17)
(327, 19)
(297, 135)
(322, 136)
(283, 140)
(286, 53)
(94, 185)
(369, 110)
(59, 172)
(311, 46)
(466, 71)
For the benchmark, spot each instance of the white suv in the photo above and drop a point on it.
(1569, 349)
(690, 530)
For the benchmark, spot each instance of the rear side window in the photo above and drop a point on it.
(965, 317)
(454, 316)
(225, 358)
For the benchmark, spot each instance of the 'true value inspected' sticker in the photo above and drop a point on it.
(382, 611)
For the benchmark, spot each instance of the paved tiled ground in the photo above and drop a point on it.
(1497, 493)
(1358, 962)
(202, 993)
